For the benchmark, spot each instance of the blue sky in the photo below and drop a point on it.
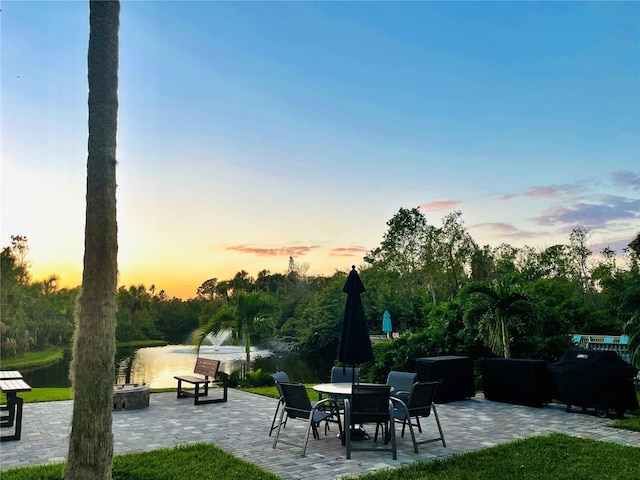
(254, 131)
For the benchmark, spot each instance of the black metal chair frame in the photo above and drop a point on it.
(278, 377)
(419, 404)
(297, 405)
(370, 404)
(401, 382)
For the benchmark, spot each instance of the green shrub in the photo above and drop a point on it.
(256, 379)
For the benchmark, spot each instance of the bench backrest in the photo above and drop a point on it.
(207, 367)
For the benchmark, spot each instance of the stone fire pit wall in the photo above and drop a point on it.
(130, 396)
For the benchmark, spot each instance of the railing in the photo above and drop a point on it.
(383, 338)
(615, 343)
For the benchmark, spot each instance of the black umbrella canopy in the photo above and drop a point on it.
(355, 344)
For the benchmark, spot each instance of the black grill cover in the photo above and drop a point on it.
(516, 381)
(594, 378)
(456, 373)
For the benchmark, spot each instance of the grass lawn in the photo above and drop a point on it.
(201, 461)
(54, 354)
(555, 456)
(33, 359)
(629, 423)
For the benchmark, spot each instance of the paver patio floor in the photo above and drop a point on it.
(241, 427)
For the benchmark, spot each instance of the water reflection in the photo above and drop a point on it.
(156, 366)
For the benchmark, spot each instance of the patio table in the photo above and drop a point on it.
(11, 387)
(8, 375)
(344, 388)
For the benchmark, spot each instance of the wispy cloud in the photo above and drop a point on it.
(291, 251)
(626, 179)
(439, 205)
(348, 251)
(541, 192)
(591, 215)
(545, 191)
(618, 245)
(506, 230)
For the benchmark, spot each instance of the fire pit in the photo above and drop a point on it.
(130, 396)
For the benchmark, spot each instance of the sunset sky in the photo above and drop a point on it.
(250, 132)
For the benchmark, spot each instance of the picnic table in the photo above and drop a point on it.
(11, 383)
(9, 374)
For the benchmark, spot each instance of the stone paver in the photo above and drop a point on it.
(241, 427)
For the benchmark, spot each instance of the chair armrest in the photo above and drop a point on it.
(395, 400)
(324, 402)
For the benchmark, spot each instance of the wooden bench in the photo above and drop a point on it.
(209, 369)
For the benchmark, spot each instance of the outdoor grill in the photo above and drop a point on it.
(594, 379)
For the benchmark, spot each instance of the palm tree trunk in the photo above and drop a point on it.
(505, 339)
(92, 369)
(247, 351)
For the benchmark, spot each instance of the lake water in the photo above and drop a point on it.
(156, 366)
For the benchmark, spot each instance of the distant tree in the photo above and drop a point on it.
(15, 301)
(634, 245)
(317, 315)
(630, 304)
(208, 289)
(579, 254)
(20, 251)
(222, 290)
(624, 288)
(178, 319)
(262, 282)
(241, 281)
(555, 262)
(406, 254)
(93, 368)
(135, 314)
(275, 283)
(402, 244)
(456, 248)
(482, 264)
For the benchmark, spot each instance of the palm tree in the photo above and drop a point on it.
(494, 308)
(92, 368)
(241, 281)
(248, 314)
(629, 300)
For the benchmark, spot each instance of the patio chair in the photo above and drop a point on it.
(298, 406)
(419, 404)
(401, 382)
(278, 377)
(343, 375)
(370, 404)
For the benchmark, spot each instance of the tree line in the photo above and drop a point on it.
(445, 294)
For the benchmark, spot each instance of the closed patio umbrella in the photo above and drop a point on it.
(355, 344)
(386, 322)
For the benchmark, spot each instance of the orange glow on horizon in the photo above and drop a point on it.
(182, 281)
